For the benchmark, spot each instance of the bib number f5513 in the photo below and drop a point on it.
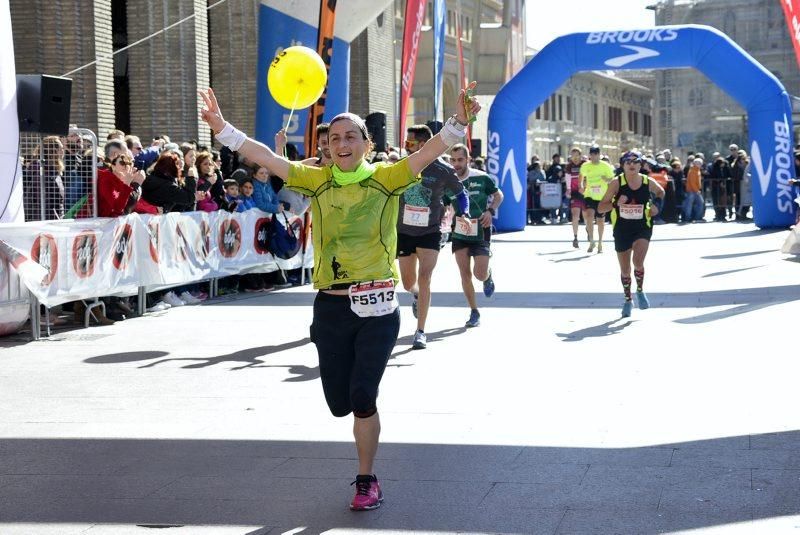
(376, 298)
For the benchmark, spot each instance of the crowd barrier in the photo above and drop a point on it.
(70, 260)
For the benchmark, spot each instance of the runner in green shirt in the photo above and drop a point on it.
(474, 241)
(354, 206)
(595, 177)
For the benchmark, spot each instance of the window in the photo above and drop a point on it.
(595, 121)
(553, 107)
(647, 129)
(560, 108)
(614, 119)
(539, 112)
(569, 109)
(546, 107)
(695, 97)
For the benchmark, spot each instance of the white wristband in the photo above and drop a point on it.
(231, 138)
(452, 132)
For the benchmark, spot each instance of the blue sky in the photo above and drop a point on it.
(548, 19)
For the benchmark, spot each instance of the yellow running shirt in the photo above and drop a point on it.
(595, 173)
(355, 226)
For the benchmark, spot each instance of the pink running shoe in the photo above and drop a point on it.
(368, 493)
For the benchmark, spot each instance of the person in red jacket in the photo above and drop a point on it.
(118, 187)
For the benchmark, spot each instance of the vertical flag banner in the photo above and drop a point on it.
(791, 8)
(327, 17)
(10, 172)
(439, 12)
(464, 77)
(415, 15)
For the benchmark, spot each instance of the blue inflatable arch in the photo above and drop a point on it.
(702, 47)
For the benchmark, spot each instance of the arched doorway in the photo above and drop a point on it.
(708, 50)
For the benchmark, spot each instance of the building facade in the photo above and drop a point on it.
(593, 108)
(692, 113)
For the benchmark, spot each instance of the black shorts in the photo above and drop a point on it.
(591, 204)
(624, 238)
(353, 353)
(474, 248)
(408, 244)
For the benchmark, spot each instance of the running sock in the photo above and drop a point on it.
(639, 274)
(626, 287)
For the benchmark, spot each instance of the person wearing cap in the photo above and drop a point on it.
(355, 207)
(595, 177)
(629, 198)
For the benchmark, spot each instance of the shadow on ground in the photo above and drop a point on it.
(431, 487)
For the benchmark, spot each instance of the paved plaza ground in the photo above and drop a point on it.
(555, 416)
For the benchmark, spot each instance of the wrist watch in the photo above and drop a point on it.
(490, 210)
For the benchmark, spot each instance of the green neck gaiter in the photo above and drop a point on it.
(345, 178)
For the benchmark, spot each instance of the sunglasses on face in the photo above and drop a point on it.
(121, 160)
(410, 143)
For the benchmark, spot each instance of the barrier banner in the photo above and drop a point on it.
(327, 17)
(791, 8)
(415, 16)
(61, 261)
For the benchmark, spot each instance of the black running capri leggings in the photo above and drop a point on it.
(353, 353)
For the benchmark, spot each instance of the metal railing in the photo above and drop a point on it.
(59, 175)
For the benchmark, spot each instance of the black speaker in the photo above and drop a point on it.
(475, 147)
(43, 103)
(376, 126)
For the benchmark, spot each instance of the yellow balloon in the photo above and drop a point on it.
(297, 77)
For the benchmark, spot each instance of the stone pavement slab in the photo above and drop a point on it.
(554, 416)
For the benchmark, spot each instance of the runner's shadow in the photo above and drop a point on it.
(431, 337)
(736, 255)
(575, 259)
(718, 273)
(598, 331)
(250, 357)
(131, 356)
(555, 253)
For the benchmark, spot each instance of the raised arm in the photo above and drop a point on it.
(238, 141)
(450, 134)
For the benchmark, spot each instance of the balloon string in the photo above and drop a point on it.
(289, 121)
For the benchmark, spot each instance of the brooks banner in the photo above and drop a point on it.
(60, 261)
(743, 78)
(415, 15)
(791, 8)
(327, 17)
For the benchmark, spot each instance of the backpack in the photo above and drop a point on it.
(283, 241)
